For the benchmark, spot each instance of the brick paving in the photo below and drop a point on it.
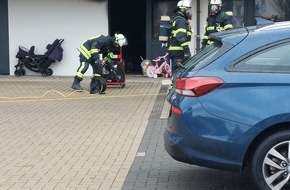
(53, 138)
(154, 169)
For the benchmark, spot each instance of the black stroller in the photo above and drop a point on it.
(38, 63)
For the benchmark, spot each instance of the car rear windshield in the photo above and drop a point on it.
(205, 56)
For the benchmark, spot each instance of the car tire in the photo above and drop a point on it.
(270, 166)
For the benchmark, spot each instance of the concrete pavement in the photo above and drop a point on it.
(54, 138)
(58, 139)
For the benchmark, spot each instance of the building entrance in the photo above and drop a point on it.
(129, 18)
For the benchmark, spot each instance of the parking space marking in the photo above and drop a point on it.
(68, 97)
(140, 154)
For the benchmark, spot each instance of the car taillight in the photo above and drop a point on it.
(176, 110)
(197, 86)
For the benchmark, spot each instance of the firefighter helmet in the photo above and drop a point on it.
(184, 4)
(216, 2)
(121, 39)
(215, 6)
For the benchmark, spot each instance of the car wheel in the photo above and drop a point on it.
(270, 166)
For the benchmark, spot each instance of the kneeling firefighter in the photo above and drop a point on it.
(90, 52)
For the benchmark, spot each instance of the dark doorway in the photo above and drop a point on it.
(129, 18)
(4, 39)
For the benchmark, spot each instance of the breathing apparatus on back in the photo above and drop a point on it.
(183, 6)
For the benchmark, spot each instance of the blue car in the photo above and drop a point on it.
(230, 106)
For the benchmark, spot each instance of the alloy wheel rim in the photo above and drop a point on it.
(276, 166)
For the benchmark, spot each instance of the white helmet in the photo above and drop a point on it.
(184, 4)
(121, 40)
(215, 6)
(216, 2)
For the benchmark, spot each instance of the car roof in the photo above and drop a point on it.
(234, 36)
(276, 26)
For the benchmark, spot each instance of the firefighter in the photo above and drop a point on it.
(180, 35)
(90, 52)
(217, 21)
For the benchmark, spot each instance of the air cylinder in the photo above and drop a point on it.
(164, 30)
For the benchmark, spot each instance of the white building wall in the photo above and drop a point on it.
(40, 22)
(203, 17)
(194, 22)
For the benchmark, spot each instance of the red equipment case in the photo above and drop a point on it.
(118, 59)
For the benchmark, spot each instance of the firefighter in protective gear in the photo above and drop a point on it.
(90, 52)
(180, 36)
(217, 21)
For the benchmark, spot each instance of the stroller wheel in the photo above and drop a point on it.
(22, 72)
(49, 72)
(44, 73)
(17, 73)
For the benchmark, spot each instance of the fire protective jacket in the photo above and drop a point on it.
(180, 34)
(216, 23)
(92, 47)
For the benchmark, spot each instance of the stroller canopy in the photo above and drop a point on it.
(23, 52)
(54, 50)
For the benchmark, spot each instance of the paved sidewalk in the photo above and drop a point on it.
(155, 169)
(54, 138)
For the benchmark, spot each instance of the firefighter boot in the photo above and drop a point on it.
(76, 84)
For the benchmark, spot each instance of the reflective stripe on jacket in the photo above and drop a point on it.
(92, 47)
(180, 34)
(217, 23)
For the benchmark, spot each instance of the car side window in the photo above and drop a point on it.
(271, 59)
(206, 56)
